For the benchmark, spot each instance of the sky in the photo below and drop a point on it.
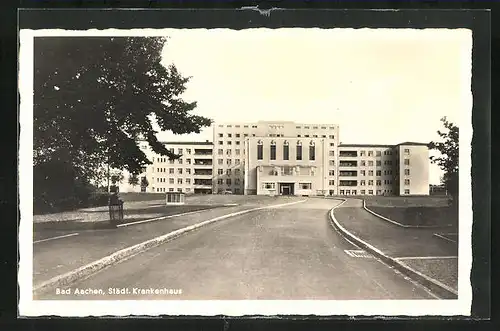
(381, 86)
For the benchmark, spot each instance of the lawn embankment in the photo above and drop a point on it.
(415, 211)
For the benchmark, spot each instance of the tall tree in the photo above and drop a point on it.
(94, 97)
(448, 160)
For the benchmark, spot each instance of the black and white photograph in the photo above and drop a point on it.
(256, 171)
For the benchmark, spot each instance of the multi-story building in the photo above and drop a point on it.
(191, 173)
(287, 158)
(230, 151)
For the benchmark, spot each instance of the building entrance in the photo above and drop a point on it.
(286, 188)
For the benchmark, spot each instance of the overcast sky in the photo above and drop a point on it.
(380, 86)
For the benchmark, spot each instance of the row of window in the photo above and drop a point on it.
(229, 151)
(238, 126)
(229, 181)
(229, 142)
(286, 152)
(172, 180)
(171, 189)
(237, 172)
(229, 161)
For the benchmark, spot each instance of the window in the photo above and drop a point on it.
(221, 142)
(299, 151)
(269, 186)
(228, 162)
(370, 192)
(273, 150)
(407, 161)
(220, 171)
(331, 172)
(407, 182)
(315, 136)
(188, 171)
(363, 172)
(312, 152)
(221, 135)
(220, 161)
(370, 153)
(237, 135)
(237, 172)
(171, 170)
(362, 153)
(370, 172)
(237, 161)
(188, 189)
(331, 182)
(171, 150)
(237, 142)
(228, 172)
(228, 152)
(331, 163)
(298, 136)
(362, 192)
(341, 192)
(179, 171)
(379, 182)
(407, 172)
(363, 163)
(379, 153)
(379, 163)
(170, 180)
(307, 136)
(331, 136)
(407, 191)
(170, 189)
(180, 161)
(305, 186)
(245, 135)
(362, 183)
(229, 135)
(229, 126)
(407, 151)
(237, 151)
(221, 151)
(188, 180)
(237, 181)
(260, 151)
(171, 161)
(229, 142)
(220, 181)
(379, 173)
(370, 163)
(228, 181)
(370, 182)
(286, 151)
(331, 153)
(188, 161)
(179, 180)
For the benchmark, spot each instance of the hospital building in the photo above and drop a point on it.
(287, 158)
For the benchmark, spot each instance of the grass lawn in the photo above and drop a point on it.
(419, 216)
(418, 201)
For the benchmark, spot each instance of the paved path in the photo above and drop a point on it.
(416, 247)
(68, 251)
(290, 252)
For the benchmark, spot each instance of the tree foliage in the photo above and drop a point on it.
(448, 160)
(94, 97)
(144, 182)
(133, 180)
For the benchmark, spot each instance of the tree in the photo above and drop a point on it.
(95, 96)
(448, 160)
(144, 183)
(133, 180)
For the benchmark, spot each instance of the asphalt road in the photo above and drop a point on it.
(290, 252)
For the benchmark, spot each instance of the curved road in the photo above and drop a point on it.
(290, 252)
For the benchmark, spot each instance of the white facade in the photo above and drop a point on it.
(231, 163)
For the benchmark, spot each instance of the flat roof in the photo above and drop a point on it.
(365, 145)
(203, 143)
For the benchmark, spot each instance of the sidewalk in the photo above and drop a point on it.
(416, 248)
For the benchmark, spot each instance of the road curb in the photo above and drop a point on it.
(402, 225)
(438, 288)
(91, 268)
